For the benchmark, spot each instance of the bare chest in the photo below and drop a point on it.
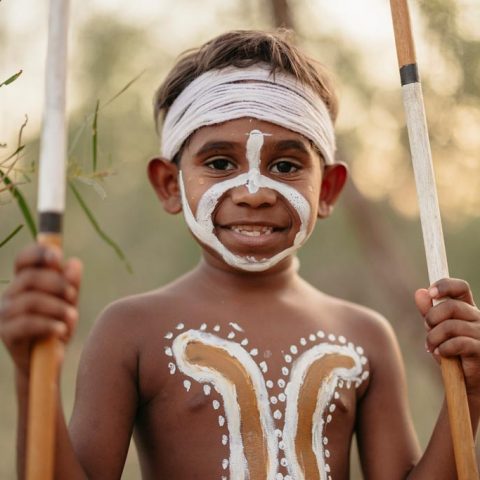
(235, 402)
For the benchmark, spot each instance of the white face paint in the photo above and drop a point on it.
(254, 149)
(202, 225)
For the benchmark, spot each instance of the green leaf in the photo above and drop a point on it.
(10, 236)
(11, 79)
(98, 229)
(122, 90)
(95, 137)
(22, 204)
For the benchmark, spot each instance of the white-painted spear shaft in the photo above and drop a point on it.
(51, 187)
(453, 379)
(46, 354)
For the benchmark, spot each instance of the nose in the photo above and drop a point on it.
(263, 197)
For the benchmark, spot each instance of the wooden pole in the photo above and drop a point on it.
(453, 379)
(46, 354)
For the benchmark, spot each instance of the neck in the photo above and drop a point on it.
(215, 273)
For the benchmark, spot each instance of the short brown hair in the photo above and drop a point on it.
(243, 48)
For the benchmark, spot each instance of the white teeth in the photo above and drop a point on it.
(252, 230)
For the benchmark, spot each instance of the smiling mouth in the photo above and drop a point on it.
(261, 239)
(253, 230)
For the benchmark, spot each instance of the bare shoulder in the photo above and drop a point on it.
(361, 325)
(360, 317)
(124, 330)
(372, 331)
(132, 315)
(127, 340)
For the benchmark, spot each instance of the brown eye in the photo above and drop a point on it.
(222, 164)
(284, 167)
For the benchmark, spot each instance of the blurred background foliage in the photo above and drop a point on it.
(370, 251)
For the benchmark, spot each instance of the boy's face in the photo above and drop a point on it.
(257, 188)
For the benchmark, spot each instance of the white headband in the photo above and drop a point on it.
(221, 95)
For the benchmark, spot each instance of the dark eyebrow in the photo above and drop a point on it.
(291, 145)
(216, 146)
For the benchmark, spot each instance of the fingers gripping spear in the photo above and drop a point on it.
(460, 426)
(46, 353)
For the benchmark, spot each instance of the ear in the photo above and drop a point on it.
(163, 176)
(333, 181)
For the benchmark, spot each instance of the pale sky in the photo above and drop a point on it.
(25, 23)
(182, 24)
(366, 23)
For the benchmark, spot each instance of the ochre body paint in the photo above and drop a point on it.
(235, 375)
(319, 374)
(254, 442)
(308, 393)
(310, 390)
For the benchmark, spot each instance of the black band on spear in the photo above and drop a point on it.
(409, 74)
(50, 222)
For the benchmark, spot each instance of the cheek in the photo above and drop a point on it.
(193, 196)
(195, 189)
(311, 198)
(312, 195)
(312, 220)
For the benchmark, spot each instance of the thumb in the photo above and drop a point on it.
(423, 300)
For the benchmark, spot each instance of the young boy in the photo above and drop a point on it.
(240, 369)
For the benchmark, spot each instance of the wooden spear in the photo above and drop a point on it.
(46, 354)
(453, 379)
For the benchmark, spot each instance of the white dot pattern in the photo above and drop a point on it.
(279, 398)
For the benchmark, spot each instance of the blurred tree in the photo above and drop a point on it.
(378, 242)
(282, 15)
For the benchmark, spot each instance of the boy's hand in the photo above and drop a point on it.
(453, 326)
(41, 301)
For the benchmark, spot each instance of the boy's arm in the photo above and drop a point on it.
(386, 438)
(40, 301)
(387, 442)
(106, 396)
(453, 328)
(438, 460)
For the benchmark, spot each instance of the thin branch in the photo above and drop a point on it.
(122, 90)
(88, 118)
(95, 137)
(20, 132)
(18, 150)
(10, 236)
(11, 186)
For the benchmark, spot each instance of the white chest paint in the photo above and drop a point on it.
(321, 365)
